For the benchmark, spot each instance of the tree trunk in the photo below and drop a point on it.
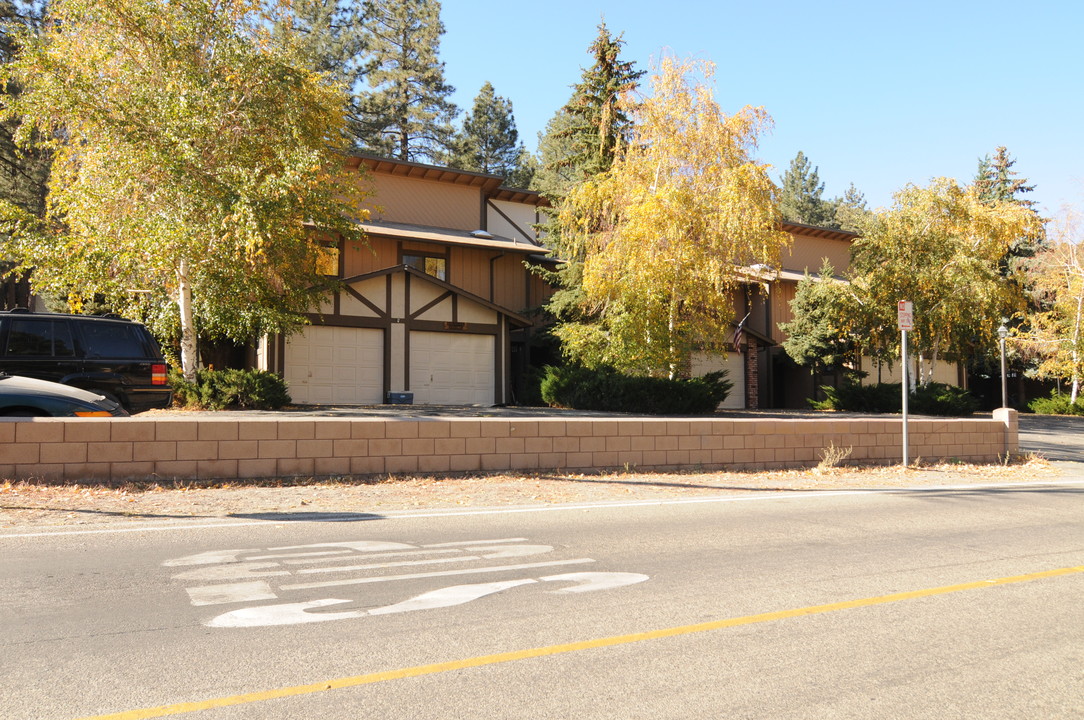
(188, 326)
(672, 327)
(1076, 350)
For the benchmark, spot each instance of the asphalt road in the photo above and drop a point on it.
(904, 604)
(1058, 438)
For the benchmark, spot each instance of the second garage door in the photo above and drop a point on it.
(452, 368)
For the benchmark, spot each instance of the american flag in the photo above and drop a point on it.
(739, 331)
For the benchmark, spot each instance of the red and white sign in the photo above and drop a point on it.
(905, 315)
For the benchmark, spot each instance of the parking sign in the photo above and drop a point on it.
(905, 316)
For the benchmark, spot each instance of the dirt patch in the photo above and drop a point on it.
(28, 504)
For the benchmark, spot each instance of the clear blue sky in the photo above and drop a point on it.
(879, 93)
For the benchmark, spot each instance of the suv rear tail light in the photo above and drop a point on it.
(158, 374)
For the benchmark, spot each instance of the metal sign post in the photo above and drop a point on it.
(905, 318)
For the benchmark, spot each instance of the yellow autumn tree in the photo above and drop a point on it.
(668, 233)
(196, 159)
(1055, 334)
(943, 248)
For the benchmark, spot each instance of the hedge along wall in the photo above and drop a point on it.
(168, 448)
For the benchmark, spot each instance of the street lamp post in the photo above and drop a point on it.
(1002, 333)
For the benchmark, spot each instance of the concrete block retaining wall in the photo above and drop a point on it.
(228, 448)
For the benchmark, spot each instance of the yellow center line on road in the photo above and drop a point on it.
(498, 658)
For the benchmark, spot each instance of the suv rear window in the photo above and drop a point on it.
(40, 338)
(113, 340)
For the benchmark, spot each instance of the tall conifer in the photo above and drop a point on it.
(489, 141)
(407, 114)
(800, 198)
(598, 122)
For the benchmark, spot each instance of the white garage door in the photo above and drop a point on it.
(451, 369)
(734, 364)
(327, 365)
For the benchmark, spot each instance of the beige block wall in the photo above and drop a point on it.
(107, 450)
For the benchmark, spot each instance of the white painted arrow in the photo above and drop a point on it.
(449, 596)
(591, 581)
(289, 614)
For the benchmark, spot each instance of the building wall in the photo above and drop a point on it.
(808, 253)
(418, 201)
(512, 220)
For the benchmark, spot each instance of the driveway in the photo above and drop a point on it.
(1052, 436)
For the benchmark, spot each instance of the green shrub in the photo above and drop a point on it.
(942, 399)
(931, 399)
(1057, 404)
(605, 389)
(852, 397)
(220, 389)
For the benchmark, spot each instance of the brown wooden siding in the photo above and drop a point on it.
(808, 253)
(426, 202)
(782, 293)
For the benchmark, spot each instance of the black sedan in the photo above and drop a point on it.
(29, 397)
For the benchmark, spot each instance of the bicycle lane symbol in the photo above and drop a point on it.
(253, 577)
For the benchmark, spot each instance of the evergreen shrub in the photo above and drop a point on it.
(932, 399)
(852, 397)
(942, 399)
(230, 388)
(1057, 404)
(605, 389)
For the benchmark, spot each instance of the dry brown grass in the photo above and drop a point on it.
(26, 503)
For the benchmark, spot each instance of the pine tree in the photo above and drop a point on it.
(996, 181)
(850, 209)
(581, 140)
(555, 176)
(330, 35)
(407, 114)
(800, 198)
(489, 141)
(599, 123)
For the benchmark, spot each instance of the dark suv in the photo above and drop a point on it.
(108, 355)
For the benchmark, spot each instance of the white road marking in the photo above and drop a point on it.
(443, 573)
(289, 614)
(381, 566)
(359, 545)
(297, 613)
(233, 571)
(354, 556)
(336, 554)
(449, 596)
(210, 557)
(592, 581)
(231, 593)
(503, 552)
(473, 542)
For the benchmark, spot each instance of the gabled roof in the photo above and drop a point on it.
(449, 236)
(512, 315)
(819, 232)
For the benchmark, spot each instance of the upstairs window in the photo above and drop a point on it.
(428, 264)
